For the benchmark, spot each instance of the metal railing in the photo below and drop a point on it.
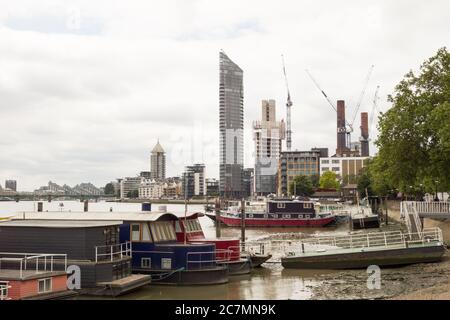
(4, 286)
(206, 259)
(255, 247)
(22, 262)
(429, 208)
(113, 252)
(392, 239)
(415, 224)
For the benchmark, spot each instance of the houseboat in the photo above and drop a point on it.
(357, 251)
(276, 213)
(238, 262)
(363, 218)
(154, 249)
(32, 277)
(94, 254)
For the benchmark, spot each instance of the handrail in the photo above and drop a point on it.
(23, 260)
(430, 208)
(200, 262)
(112, 251)
(362, 241)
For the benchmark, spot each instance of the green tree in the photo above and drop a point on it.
(365, 183)
(134, 194)
(301, 186)
(329, 180)
(315, 179)
(109, 189)
(414, 139)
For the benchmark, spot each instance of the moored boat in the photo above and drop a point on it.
(228, 251)
(98, 262)
(153, 247)
(277, 213)
(382, 249)
(32, 277)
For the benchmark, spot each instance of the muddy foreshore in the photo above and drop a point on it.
(421, 281)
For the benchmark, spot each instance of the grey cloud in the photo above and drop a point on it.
(89, 106)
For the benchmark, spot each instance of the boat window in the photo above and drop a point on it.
(177, 226)
(281, 205)
(307, 205)
(250, 216)
(45, 285)
(155, 232)
(287, 216)
(300, 216)
(163, 231)
(146, 233)
(166, 263)
(146, 263)
(135, 232)
(196, 225)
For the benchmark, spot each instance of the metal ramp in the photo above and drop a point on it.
(412, 219)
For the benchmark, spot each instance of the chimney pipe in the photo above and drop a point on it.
(365, 134)
(341, 128)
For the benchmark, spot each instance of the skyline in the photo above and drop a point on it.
(94, 93)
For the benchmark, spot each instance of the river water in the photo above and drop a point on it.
(269, 283)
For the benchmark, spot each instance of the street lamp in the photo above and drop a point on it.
(436, 198)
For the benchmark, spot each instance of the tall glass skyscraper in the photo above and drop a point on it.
(231, 128)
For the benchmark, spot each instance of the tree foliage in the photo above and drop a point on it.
(414, 139)
(134, 194)
(109, 189)
(329, 180)
(301, 186)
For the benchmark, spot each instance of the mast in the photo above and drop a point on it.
(289, 105)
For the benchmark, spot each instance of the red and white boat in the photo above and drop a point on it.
(228, 250)
(276, 213)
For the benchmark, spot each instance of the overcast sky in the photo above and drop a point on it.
(87, 89)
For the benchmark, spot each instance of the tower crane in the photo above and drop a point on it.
(361, 97)
(374, 110)
(289, 105)
(348, 125)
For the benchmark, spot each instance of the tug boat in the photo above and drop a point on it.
(228, 250)
(276, 213)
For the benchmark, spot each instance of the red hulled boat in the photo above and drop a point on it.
(276, 213)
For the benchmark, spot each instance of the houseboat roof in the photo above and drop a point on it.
(100, 216)
(58, 223)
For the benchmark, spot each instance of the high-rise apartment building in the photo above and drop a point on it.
(268, 135)
(158, 163)
(231, 107)
(297, 163)
(194, 181)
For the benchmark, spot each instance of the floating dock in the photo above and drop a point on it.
(363, 250)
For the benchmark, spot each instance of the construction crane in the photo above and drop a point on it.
(320, 89)
(374, 110)
(289, 105)
(349, 125)
(361, 97)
